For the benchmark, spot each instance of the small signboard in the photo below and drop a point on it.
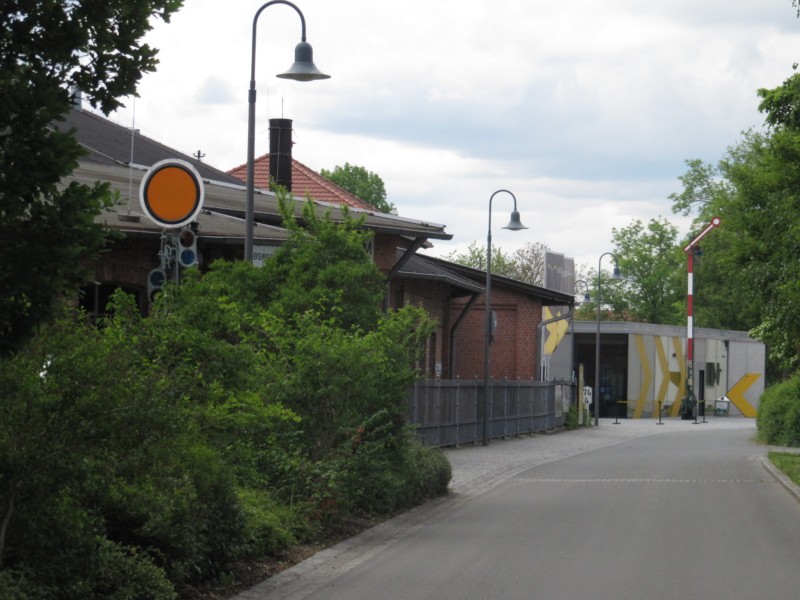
(172, 193)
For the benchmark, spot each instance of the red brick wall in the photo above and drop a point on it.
(433, 297)
(514, 353)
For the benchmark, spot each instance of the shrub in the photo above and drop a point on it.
(779, 414)
(380, 469)
(271, 527)
(571, 418)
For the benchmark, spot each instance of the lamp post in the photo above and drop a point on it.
(596, 395)
(514, 225)
(586, 298)
(303, 69)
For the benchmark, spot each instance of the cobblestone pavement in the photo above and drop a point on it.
(476, 469)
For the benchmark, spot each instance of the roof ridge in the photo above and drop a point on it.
(334, 187)
(314, 179)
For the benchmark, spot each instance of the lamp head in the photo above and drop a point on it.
(303, 68)
(616, 274)
(514, 224)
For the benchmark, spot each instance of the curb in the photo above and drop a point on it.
(787, 483)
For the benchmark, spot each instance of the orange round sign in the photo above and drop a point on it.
(172, 193)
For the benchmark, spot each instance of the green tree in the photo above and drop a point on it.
(525, 264)
(363, 184)
(614, 302)
(528, 263)
(652, 266)
(475, 257)
(749, 277)
(233, 421)
(102, 474)
(48, 50)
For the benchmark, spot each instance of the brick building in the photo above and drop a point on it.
(451, 294)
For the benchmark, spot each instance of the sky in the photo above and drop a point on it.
(585, 111)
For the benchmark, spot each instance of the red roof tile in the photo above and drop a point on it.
(304, 182)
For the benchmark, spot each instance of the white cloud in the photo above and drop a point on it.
(586, 110)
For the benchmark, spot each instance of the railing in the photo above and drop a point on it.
(450, 412)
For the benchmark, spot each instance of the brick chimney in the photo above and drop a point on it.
(280, 152)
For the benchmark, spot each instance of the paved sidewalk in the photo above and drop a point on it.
(476, 469)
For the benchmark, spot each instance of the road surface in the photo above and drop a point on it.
(627, 511)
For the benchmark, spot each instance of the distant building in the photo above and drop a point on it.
(643, 368)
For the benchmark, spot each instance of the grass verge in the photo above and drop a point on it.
(789, 464)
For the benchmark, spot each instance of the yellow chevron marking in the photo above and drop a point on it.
(680, 376)
(736, 394)
(555, 331)
(664, 363)
(647, 376)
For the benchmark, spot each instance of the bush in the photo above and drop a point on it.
(107, 570)
(271, 527)
(380, 469)
(571, 418)
(247, 413)
(779, 414)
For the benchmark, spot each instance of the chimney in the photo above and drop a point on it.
(280, 152)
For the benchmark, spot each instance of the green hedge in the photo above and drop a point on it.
(779, 414)
(246, 414)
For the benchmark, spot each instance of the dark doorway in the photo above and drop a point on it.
(613, 384)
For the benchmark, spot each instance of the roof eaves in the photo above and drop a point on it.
(550, 297)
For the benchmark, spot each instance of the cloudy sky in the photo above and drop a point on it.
(586, 110)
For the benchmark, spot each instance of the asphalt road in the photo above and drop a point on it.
(617, 512)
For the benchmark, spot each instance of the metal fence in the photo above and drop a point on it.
(450, 413)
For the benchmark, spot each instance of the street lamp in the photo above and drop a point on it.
(586, 298)
(514, 225)
(303, 69)
(586, 295)
(596, 395)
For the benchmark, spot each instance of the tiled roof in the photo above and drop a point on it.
(110, 144)
(304, 182)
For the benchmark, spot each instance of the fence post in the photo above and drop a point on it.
(437, 391)
(478, 404)
(530, 408)
(457, 402)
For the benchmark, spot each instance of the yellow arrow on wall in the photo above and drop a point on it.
(736, 394)
(555, 331)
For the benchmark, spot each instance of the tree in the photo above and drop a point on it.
(48, 50)
(652, 265)
(475, 257)
(528, 263)
(750, 278)
(364, 185)
(525, 264)
(238, 417)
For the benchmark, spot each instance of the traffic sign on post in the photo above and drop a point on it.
(187, 248)
(172, 193)
(155, 282)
